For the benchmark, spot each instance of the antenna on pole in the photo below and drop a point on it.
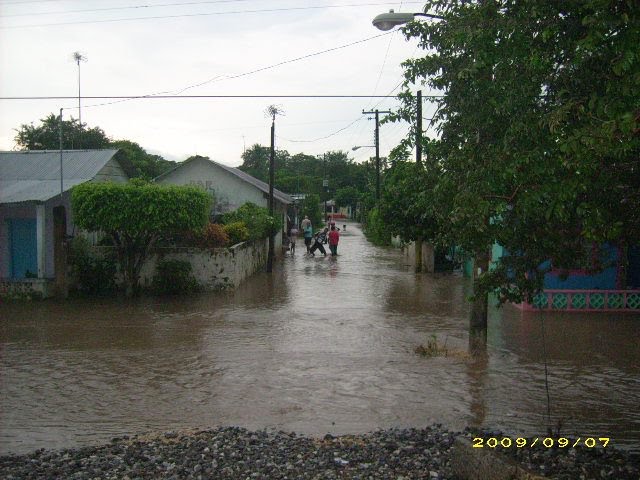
(79, 57)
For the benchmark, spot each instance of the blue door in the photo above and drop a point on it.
(24, 250)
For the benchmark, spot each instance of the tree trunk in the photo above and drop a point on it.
(479, 307)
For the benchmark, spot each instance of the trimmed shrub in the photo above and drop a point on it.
(174, 277)
(214, 236)
(236, 232)
(256, 219)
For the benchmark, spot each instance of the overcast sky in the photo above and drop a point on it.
(216, 47)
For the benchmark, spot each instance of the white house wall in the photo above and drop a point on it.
(230, 192)
(111, 172)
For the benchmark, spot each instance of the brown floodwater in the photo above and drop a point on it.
(320, 346)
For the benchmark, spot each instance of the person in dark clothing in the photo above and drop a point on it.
(318, 240)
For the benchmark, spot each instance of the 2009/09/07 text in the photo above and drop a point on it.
(546, 442)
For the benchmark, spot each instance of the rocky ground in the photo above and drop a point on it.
(236, 453)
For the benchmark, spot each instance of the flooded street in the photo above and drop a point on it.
(322, 345)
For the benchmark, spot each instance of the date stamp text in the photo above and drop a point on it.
(544, 442)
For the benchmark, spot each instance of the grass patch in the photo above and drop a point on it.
(434, 348)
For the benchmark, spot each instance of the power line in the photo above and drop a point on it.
(20, 2)
(164, 97)
(231, 12)
(220, 78)
(284, 62)
(129, 7)
(322, 138)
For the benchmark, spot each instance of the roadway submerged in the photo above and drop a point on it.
(320, 346)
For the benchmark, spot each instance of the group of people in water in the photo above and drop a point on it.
(316, 241)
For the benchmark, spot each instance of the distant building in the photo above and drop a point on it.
(230, 187)
(35, 212)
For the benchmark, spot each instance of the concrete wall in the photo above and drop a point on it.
(27, 289)
(213, 269)
(428, 265)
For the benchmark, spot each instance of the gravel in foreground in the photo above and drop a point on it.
(236, 453)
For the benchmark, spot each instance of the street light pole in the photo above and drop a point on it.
(478, 319)
(377, 142)
(377, 145)
(325, 186)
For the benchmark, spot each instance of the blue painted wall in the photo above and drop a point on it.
(605, 280)
(23, 245)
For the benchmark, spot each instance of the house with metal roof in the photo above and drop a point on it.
(35, 211)
(230, 187)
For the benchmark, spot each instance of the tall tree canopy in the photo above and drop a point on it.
(302, 173)
(46, 136)
(539, 144)
(138, 163)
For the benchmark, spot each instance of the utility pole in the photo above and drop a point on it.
(377, 145)
(272, 111)
(325, 186)
(272, 162)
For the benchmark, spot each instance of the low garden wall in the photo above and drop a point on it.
(26, 289)
(214, 269)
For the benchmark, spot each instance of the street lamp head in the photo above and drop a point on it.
(362, 146)
(386, 21)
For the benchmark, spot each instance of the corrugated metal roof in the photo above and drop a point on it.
(281, 196)
(34, 176)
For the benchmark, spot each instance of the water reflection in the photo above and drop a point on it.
(322, 345)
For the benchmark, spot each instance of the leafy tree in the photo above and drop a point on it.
(310, 207)
(255, 161)
(137, 163)
(46, 136)
(302, 173)
(406, 206)
(347, 197)
(539, 146)
(135, 215)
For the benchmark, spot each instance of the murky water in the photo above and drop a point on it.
(322, 345)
